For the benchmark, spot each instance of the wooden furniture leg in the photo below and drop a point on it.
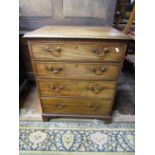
(45, 118)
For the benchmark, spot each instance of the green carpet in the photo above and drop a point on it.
(79, 138)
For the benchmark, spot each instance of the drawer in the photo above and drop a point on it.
(75, 88)
(80, 51)
(99, 71)
(76, 106)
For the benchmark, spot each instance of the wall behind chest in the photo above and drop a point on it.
(37, 13)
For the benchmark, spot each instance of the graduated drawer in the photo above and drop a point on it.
(102, 71)
(75, 106)
(83, 51)
(76, 88)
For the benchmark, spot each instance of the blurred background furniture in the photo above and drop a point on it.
(124, 20)
(124, 16)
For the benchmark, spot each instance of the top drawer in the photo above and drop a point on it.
(78, 51)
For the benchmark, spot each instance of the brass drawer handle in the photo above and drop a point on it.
(100, 52)
(55, 70)
(57, 88)
(95, 89)
(94, 107)
(60, 105)
(98, 70)
(54, 51)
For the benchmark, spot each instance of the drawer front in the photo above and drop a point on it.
(92, 51)
(76, 106)
(75, 88)
(99, 71)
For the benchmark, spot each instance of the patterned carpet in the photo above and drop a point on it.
(76, 138)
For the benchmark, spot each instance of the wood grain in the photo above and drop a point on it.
(87, 32)
(77, 70)
(77, 88)
(76, 106)
(78, 51)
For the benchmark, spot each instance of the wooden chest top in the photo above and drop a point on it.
(78, 32)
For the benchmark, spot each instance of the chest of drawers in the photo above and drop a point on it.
(77, 69)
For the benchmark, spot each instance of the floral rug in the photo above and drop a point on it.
(76, 138)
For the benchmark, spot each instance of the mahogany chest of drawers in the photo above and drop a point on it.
(77, 69)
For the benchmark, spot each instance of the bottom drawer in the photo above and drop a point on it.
(77, 106)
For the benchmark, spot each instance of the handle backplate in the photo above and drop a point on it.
(100, 52)
(54, 51)
(94, 107)
(98, 70)
(57, 88)
(60, 105)
(95, 89)
(55, 70)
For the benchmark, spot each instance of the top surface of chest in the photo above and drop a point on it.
(77, 32)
